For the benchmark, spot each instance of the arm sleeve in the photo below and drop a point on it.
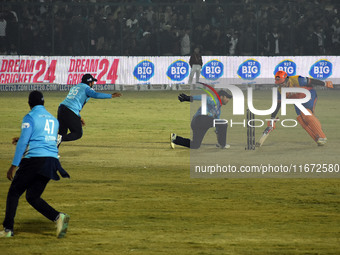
(197, 97)
(26, 131)
(314, 82)
(91, 93)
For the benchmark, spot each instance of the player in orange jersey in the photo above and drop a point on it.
(309, 122)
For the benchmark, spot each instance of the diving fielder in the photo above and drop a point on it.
(69, 110)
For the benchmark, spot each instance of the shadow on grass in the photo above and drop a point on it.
(35, 226)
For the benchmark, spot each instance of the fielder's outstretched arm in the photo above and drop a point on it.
(314, 82)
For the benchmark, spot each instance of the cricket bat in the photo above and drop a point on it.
(265, 135)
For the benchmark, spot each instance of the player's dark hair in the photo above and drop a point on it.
(224, 93)
(35, 98)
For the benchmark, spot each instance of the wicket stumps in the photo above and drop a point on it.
(250, 131)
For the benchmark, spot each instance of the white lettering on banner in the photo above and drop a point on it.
(178, 70)
(213, 70)
(321, 69)
(144, 70)
(119, 70)
(249, 69)
(287, 69)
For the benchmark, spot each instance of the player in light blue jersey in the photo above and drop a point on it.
(69, 110)
(36, 155)
(201, 123)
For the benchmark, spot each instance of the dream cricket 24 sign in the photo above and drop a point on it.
(27, 70)
(100, 68)
(63, 70)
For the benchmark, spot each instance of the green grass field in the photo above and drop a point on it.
(129, 193)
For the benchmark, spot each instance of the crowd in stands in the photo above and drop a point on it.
(163, 28)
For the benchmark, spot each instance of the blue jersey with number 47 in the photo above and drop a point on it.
(79, 95)
(39, 131)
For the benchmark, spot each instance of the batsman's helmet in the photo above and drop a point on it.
(280, 77)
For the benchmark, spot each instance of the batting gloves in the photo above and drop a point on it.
(329, 84)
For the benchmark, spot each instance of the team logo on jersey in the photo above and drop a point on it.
(25, 125)
(144, 70)
(321, 70)
(249, 69)
(286, 65)
(178, 70)
(212, 70)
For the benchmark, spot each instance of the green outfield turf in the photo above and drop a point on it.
(129, 193)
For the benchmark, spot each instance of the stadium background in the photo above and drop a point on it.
(128, 192)
(156, 28)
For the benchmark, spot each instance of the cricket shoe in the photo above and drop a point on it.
(172, 139)
(321, 141)
(62, 224)
(227, 146)
(6, 233)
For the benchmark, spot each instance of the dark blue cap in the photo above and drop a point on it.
(87, 78)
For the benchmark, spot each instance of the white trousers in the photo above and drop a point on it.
(196, 69)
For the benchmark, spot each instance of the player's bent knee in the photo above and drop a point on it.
(194, 145)
(31, 199)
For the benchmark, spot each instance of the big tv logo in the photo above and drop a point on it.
(144, 70)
